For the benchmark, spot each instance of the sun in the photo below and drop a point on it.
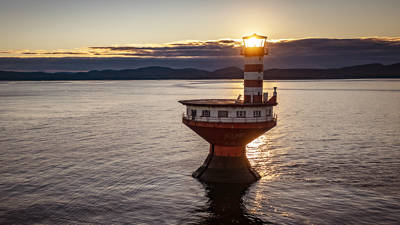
(254, 41)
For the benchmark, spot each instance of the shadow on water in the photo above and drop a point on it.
(225, 205)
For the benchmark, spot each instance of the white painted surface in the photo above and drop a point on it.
(266, 114)
(253, 75)
(253, 91)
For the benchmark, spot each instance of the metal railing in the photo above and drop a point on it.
(273, 117)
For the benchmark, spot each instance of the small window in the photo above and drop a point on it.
(193, 113)
(240, 114)
(257, 113)
(222, 113)
(205, 113)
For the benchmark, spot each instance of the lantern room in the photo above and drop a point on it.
(254, 45)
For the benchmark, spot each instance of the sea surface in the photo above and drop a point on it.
(116, 152)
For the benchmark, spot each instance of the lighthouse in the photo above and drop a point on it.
(230, 124)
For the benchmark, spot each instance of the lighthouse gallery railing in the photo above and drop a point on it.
(231, 119)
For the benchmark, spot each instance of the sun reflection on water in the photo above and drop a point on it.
(260, 155)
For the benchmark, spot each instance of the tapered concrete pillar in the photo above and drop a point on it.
(226, 165)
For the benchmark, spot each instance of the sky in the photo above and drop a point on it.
(118, 28)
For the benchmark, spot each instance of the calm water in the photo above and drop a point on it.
(115, 152)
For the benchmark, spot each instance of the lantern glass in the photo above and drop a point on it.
(254, 42)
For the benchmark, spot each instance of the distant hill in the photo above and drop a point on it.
(361, 71)
(150, 73)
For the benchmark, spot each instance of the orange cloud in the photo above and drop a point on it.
(286, 53)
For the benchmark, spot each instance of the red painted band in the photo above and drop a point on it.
(253, 68)
(253, 83)
(229, 134)
(232, 151)
(272, 100)
(257, 98)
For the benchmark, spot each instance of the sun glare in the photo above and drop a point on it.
(254, 42)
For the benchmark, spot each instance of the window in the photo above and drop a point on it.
(222, 113)
(240, 114)
(205, 113)
(257, 113)
(193, 113)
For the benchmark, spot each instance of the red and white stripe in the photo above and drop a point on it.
(253, 79)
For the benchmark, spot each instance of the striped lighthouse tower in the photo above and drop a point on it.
(230, 124)
(253, 52)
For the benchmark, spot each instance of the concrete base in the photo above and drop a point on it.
(226, 169)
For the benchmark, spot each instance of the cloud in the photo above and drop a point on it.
(185, 49)
(211, 54)
(53, 53)
(323, 52)
(210, 48)
(324, 46)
